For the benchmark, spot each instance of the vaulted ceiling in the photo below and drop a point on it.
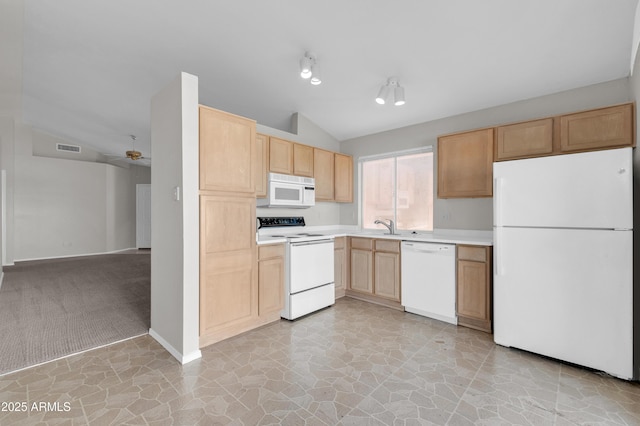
(91, 67)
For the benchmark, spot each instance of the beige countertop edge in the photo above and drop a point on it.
(263, 241)
(426, 238)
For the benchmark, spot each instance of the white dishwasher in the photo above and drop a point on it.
(429, 280)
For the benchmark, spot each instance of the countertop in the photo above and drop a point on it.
(443, 236)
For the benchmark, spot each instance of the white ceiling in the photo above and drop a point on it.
(91, 67)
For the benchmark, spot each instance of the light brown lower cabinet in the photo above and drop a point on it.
(374, 271)
(474, 287)
(386, 261)
(238, 294)
(361, 271)
(270, 280)
(228, 280)
(340, 265)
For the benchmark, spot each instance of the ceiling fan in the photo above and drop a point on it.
(133, 154)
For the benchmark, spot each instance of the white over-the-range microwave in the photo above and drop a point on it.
(289, 191)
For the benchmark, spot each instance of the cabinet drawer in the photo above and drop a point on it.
(388, 245)
(362, 243)
(474, 253)
(273, 250)
(339, 242)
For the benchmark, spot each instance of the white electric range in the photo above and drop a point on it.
(309, 275)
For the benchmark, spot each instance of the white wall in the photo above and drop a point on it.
(69, 208)
(635, 94)
(44, 145)
(11, 25)
(60, 208)
(175, 232)
(476, 213)
(7, 131)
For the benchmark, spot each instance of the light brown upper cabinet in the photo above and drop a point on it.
(227, 152)
(465, 164)
(262, 164)
(597, 129)
(522, 140)
(323, 171)
(343, 178)
(280, 156)
(302, 160)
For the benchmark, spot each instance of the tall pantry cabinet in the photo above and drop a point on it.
(228, 263)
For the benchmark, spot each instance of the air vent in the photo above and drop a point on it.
(67, 148)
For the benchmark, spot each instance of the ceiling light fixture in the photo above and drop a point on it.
(305, 66)
(386, 89)
(309, 68)
(133, 154)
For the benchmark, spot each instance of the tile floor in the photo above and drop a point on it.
(354, 363)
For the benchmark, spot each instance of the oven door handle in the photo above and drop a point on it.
(311, 243)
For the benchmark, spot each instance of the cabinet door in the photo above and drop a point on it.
(323, 172)
(262, 164)
(473, 290)
(361, 271)
(387, 275)
(270, 285)
(530, 139)
(343, 178)
(280, 156)
(465, 163)
(302, 160)
(340, 263)
(228, 282)
(597, 129)
(227, 152)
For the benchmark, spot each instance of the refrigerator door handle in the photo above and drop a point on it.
(498, 262)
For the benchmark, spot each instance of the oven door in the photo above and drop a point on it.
(311, 265)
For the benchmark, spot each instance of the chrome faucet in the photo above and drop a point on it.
(390, 226)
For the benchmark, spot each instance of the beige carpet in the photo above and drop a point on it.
(53, 308)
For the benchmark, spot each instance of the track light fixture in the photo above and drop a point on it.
(392, 85)
(309, 68)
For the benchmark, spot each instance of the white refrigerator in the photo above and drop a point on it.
(563, 264)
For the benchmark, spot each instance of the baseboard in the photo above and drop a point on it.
(74, 255)
(183, 359)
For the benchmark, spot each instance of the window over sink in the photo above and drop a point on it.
(397, 186)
